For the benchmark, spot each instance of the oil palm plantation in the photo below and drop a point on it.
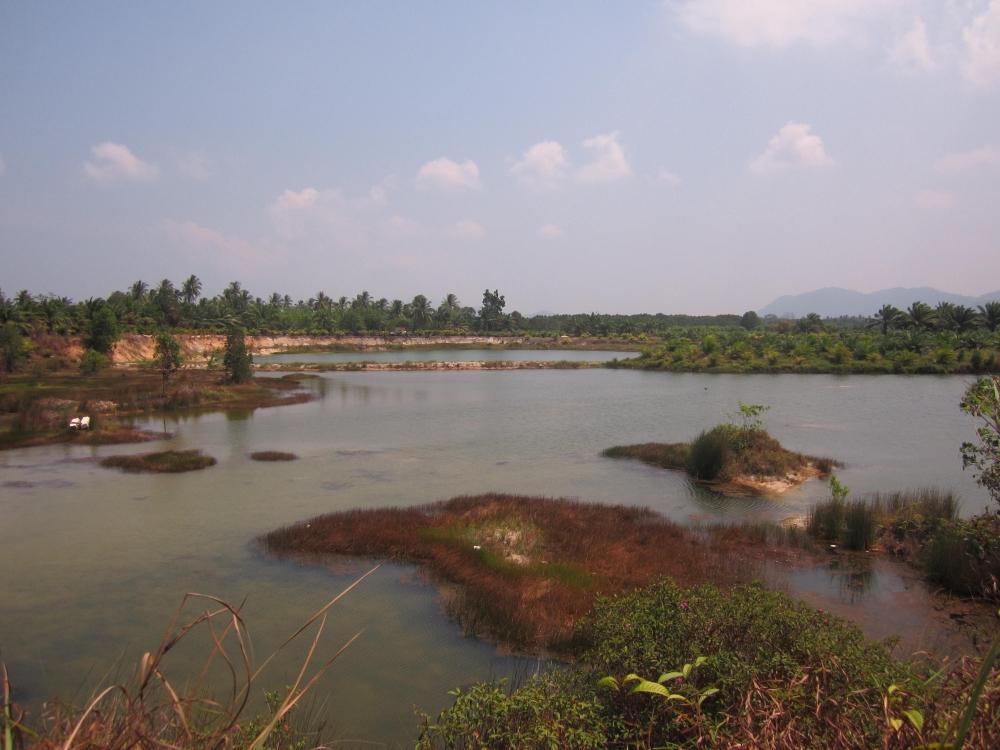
(887, 319)
(921, 316)
(990, 315)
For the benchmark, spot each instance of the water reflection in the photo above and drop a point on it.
(113, 553)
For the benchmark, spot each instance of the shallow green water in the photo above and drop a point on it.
(95, 561)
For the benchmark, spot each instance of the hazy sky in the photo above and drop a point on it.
(700, 156)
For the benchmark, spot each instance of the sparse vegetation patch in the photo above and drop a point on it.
(524, 569)
(272, 456)
(736, 458)
(164, 462)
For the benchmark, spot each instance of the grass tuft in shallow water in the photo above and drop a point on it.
(164, 462)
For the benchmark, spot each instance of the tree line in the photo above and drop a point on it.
(143, 308)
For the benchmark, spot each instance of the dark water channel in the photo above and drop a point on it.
(94, 562)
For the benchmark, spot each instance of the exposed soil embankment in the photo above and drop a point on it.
(197, 348)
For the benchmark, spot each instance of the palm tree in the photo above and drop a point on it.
(811, 323)
(921, 316)
(887, 318)
(963, 318)
(322, 301)
(191, 289)
(945, 311)
(54, 312)
(990, 314)
(236, 297)
(420, 310)
(6, 309)
(138, 289)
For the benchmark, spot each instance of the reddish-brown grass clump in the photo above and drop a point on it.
(524, 568)
(164, 462)
(272, 456)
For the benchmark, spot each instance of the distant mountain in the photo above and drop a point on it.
(832, 302)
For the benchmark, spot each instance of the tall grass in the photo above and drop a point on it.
(151, 711)
(856, 523)
(708, 455)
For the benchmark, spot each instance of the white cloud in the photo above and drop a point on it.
(780, 23)
(467, 229)
(668, 178)
(912, 53)
(542, 166)
(196, 166)
(609, 161)
(794, 146)
(981, 57)
(935, 200)
(550, 231)
(113, 162)
(985, 156)
(445, 173)
(399, 227)
(326, 217)
(225, 247)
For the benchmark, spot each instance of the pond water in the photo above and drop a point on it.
(449, 355)
(94, 562)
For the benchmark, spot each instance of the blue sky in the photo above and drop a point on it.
(689, 156)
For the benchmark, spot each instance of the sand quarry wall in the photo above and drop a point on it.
(198, 348)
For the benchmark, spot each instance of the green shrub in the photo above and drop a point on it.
(92, 362)
(827, 679)
(546, 712)
(708, 454)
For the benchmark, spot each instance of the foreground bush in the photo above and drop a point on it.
(776, 674)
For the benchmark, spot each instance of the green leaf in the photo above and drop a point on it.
(666, 676)
(916, 718)
(645, 686)
(896, 723)
(609, 681)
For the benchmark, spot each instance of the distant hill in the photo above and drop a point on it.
(833, 302)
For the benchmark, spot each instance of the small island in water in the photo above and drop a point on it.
(734, 458)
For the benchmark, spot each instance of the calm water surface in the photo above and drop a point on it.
(450, 355)
(95, 561)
